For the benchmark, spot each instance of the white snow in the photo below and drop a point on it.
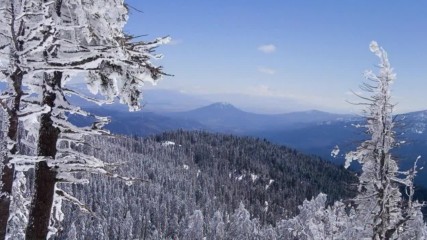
(269, 184)
(168, 143)
(335, 151)
(18, 217)
(223, 105)
(97, 26)
(254, 177)
(239, 178)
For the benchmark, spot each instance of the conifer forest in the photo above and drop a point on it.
(91, 149)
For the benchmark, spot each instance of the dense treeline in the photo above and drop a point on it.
(197, 175)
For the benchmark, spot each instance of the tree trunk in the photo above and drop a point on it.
(45, 176)
(7, 173)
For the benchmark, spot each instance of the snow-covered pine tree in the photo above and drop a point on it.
(126, 227)
(195, 226)
(241, 226)
(21, 23)
(217, 227)
(72, 234)
(42, 44)
(117, 66)
(316, 220)
(380, 202)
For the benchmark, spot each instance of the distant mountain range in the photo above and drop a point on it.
(314, 132)
(217, 117)
(225, 117)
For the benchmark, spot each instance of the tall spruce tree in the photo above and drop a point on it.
(43, 44)
(379, 199)
(21, 25)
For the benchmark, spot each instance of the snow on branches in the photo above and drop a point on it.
(43, 44)
(379, 194)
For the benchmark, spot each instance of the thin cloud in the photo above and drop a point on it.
(268, 48)
(266, 70)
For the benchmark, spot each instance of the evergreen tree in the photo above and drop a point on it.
(126, 227)
(380, 203)
(241, 226)
(217, 227)
(43, 43)
(19, 39)
(195, 226)
(72, 234)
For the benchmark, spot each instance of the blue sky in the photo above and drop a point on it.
(286, 55)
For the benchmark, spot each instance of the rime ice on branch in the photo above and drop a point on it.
(387, 214)
(43, 44)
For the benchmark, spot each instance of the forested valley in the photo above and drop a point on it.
(197, 183)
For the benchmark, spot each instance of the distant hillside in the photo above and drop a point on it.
(217, 117)
(189, 171)
(138, 123)
(312, 132)
(321, 138)
(224, 117)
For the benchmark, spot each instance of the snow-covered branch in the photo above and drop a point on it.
(379, 194)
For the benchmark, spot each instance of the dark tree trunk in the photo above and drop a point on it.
(12, 107)
(45, 177)
(8, 169)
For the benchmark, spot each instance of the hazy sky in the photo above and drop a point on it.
(308, 54)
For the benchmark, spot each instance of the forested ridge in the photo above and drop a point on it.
(61, 180)
(202, 173)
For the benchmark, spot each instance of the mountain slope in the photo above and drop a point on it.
(137, 123)
(321, 138)
(312, 132)
(189, 171)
